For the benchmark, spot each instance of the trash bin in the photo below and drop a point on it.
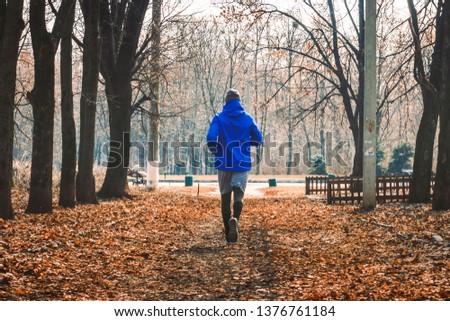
(272, 182)
(188, 180)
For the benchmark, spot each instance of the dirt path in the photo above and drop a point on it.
(253, 190)
(240, 271)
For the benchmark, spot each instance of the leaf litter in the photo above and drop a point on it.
(168, 245)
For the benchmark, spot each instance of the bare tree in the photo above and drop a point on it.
(121, 24)
(441, 196)
(208, 72)
(11, 27)
(336, 58)
(85, 189)
(334, 51)
(234, 42)
(42, 99)
(430, 86)
(69, 148)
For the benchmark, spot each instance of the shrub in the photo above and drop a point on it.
(401, 158)
(319, 167)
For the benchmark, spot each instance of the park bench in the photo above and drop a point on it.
(138, 177)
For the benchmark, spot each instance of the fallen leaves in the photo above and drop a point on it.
(168, 245)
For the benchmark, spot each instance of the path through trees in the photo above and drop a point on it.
(169, 246)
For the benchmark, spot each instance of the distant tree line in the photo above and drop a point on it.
(119, 72)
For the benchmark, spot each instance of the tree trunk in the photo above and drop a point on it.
(116, 184)
(355, 117)
(263, 123)
(289, 120)
(155, 74)
(256, 92)
(359, 144)
(69, 151)
(119, 44)
(153, 138)
(358, 133)
(88, 102)
(10, 20)
(441, 196)
(42, 100)
(307, 147)
(423, 157)
(419, 191)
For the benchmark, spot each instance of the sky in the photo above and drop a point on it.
(205, 6)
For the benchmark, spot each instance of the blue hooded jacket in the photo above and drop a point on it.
(230, 136)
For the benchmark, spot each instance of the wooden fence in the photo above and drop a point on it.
(344, 190)
(316, 185)
(393, 188)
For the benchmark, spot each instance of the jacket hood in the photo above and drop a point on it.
(233, 109)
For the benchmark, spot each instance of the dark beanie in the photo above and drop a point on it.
(232, 94)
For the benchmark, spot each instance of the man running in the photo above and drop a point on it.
(229, 138)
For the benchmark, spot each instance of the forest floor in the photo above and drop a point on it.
(168, 245)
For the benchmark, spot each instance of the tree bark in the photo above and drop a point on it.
(69, 151)
(358, 140)
(289, 102)
(116, 183)
(119, 44)
(359, 109)
(10, 21)
(354, 115)
(155, 74)
(441, 196)
(85, 181)
(42, 100)
(419, 191)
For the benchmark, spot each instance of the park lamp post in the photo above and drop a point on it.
(370, 106)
